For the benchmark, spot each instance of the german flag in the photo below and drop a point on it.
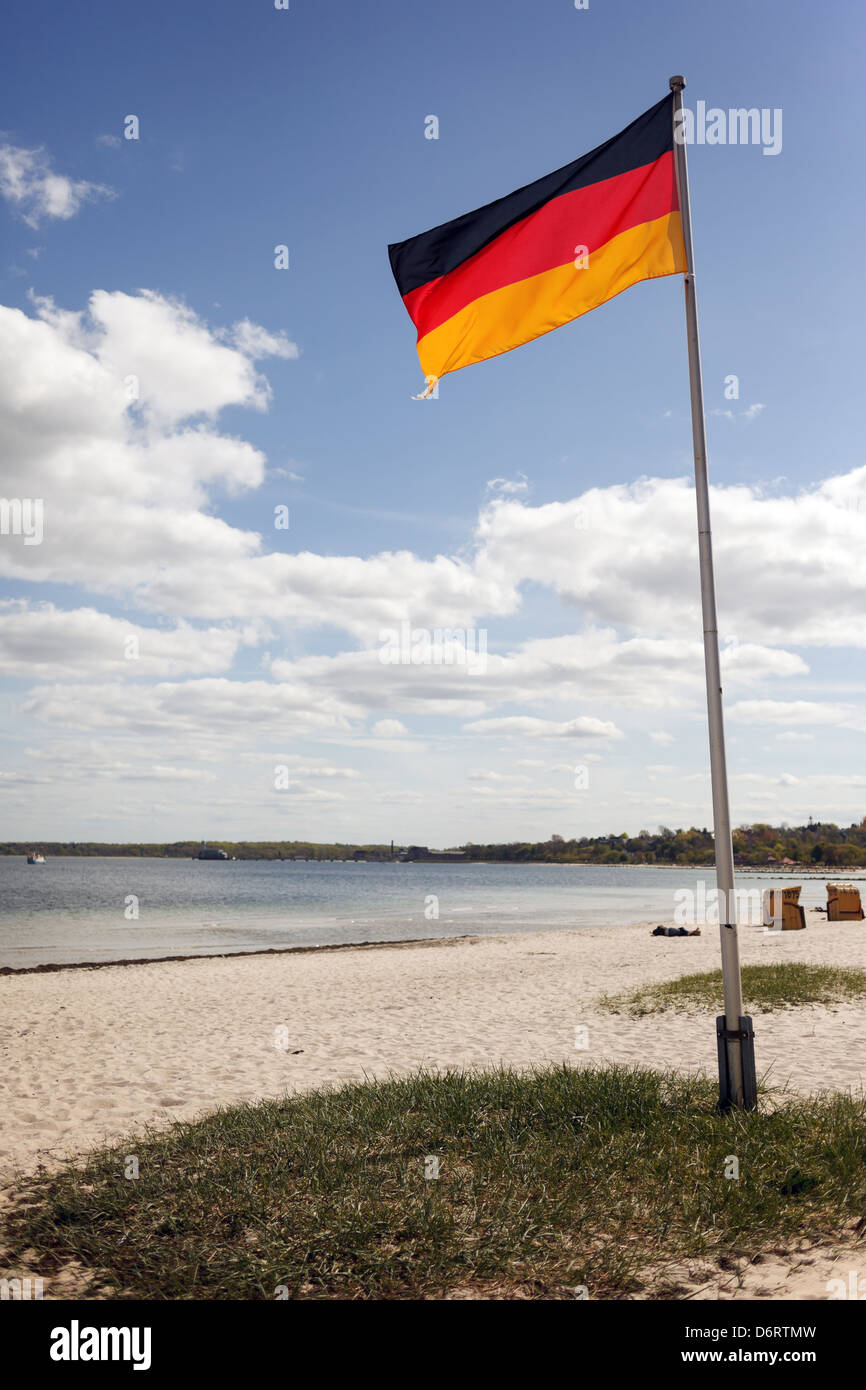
(528, 263)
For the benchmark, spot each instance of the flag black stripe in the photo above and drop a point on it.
(431, 254)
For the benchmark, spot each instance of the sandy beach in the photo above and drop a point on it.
(94, 1054)
(89, 1055)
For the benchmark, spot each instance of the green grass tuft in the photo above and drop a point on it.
(547, 1180)
(765, 987)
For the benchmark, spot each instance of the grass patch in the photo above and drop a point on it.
(547, 1180)
(765, 987)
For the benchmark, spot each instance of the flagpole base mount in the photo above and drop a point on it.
(745, 1034)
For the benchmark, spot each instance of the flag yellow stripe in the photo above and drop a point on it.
(517, 313)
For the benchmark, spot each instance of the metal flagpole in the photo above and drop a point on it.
(734, 1031)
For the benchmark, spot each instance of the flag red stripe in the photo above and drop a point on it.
(589, 216)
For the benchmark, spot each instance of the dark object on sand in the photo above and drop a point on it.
(675, 931)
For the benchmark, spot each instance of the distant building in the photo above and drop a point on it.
(421, 853)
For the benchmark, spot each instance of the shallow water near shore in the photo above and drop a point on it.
(81, 909)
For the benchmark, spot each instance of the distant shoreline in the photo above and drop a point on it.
(814, 847)
(835, 871)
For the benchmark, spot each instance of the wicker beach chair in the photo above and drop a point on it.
(784, 903)
(843, 903)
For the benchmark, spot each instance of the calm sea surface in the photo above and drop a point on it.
(74, 909)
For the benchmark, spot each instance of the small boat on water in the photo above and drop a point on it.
(35, 858)
(205, 853)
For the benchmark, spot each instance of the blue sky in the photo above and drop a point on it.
(306, 127)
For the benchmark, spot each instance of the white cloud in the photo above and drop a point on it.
(182, 369)
(508, 487)
(349, 773)
(750, 413)
(126, 484)
(214, 705)
(577, 668)
(127, 488)
(132, 487)
(36, 192)
(256, 342)
(482, 775)
(797, 712)
(389, 728)
(88, 759)
(40, 641)
(526, 726)
(633, 561)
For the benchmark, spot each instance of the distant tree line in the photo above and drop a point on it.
(188, 849)
(820, 843)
